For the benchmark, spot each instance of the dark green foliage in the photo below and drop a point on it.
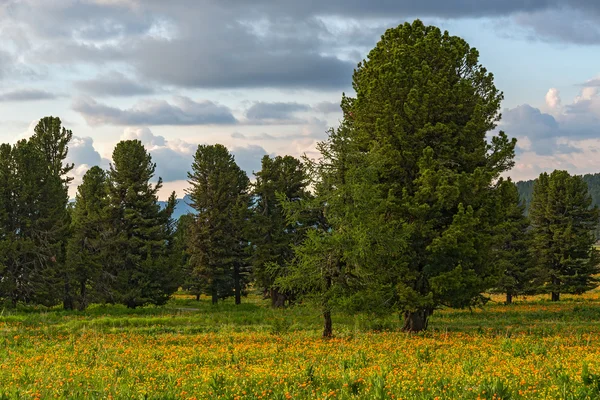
(563, 222)
(190, 281)
(273, 236)
(415, 213)
(90, 231)
(34, 218)
(139, 250)
(513, 245)
(218, 241)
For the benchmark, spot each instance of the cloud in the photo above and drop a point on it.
(84, 156)
(113, 84)
(278, 112)
(249, 158)
(560, 132)
(174, 158)
(183, 111)
(27, 95)
(328, 107)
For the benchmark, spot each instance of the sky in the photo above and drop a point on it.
(266, 76)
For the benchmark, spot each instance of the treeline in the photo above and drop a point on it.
(404, 212)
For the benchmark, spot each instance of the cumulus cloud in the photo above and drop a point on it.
(174, 157)
(84, 156)
(566, 137)
(113, 84)
(183, 111)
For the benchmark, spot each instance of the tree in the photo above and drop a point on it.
(273, 234)
(86, 250)
(218, 239)
(51, 141)
(513, 246)
(34, 221)
(139, 249)
(564, 222)
(416, 208)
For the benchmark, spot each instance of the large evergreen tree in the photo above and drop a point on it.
(51, 140)
(417, 207)
(90, 229)
(274, 235)
(139, 256)
(564, 222)
(34, 220)
(218, 241)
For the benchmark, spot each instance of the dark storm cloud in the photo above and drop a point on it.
(184, 111)
(113, 84)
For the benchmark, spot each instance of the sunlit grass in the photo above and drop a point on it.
(528, 350)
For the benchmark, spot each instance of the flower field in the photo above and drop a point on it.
(186, 350)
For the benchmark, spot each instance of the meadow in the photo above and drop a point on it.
(533, 349)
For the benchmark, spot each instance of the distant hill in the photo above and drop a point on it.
(181, 208)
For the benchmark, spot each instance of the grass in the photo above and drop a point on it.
(528, 350)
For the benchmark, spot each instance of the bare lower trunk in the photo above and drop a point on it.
(556, 288)
(277, 298)
(197, 296)
(328, 325)
(67, 299)
(509, 297)
(416, 321)
(215, 296)
(82, 296)
(237, 284)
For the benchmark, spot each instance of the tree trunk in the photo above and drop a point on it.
(328, 325)
(277, 298)
(416, 321)
(555, 291)
(67, 299)
(237, 284)
(82, 296)
(215, 296)
(197, 296)
(509, 297)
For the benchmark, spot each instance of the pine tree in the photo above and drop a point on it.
(513, 245)
(140, 245)
(51, 233)
(417, 222)
(218, 240)
(86, 250)
(564, 222)
(273, 234)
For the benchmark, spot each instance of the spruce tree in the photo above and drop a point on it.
(218, 241)
(513, 245)
(564, 222)
(139, 249)
(51, 233)
(274, 235)
(90, 229)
